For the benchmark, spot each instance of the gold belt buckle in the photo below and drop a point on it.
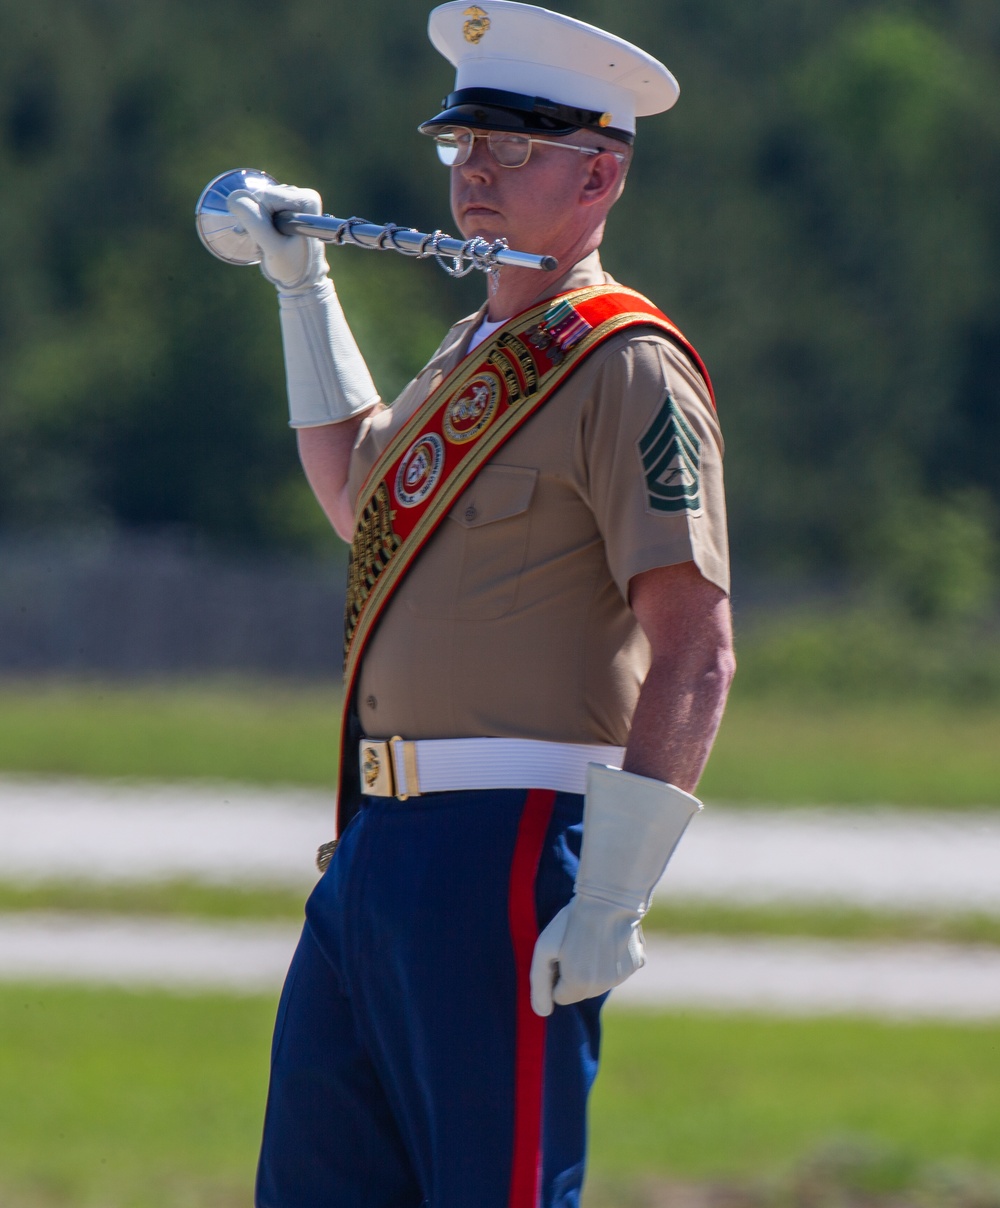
(379, 768)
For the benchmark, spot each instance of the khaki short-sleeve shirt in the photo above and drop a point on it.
(514, 620)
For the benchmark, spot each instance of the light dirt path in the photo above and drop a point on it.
(226, 833)
(874, 857)
(159, 953)
(812, 977)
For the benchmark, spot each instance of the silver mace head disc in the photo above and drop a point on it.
(217, 228)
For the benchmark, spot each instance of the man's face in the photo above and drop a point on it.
(537, 208)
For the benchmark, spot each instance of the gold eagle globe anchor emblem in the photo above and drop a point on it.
(477, 24)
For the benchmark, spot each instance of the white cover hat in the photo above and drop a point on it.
(520, 67)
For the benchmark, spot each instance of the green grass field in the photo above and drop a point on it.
(746, 1096)
(111, 1099)
(915, 753)
(796, 752)
(119, 1100)
(252, 732)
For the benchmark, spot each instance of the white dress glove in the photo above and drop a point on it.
(287, 261)
(328, 380)
(631, 825)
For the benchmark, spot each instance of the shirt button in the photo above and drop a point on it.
(371, 702)
(470, 512)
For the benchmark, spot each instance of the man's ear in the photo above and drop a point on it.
(604, 180)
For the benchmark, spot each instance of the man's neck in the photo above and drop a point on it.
(517, 288)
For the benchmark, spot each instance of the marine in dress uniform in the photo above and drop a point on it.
(529, 603)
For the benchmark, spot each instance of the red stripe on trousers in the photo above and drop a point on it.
(529, 1050)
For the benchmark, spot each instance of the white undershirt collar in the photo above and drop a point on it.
(484, 331)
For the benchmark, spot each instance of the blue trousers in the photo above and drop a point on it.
(407, 1066)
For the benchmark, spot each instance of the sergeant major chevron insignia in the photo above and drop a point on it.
(671, 460)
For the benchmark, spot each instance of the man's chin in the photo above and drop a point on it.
(483, 226)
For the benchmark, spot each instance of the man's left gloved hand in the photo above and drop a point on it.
(631, 825)
(327, 378)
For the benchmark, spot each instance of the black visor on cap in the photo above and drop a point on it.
(494, 109)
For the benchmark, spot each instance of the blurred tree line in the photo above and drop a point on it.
(820, 214)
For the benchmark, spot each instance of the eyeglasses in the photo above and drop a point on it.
(455, 143)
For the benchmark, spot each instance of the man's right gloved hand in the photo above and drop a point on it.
(287, 261)
(328, 380)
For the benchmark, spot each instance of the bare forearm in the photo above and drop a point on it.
(689, 626)
(676, 720)
(325, 453)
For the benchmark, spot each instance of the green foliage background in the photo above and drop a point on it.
(819, 213)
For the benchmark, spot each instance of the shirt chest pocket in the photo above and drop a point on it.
(476, 558)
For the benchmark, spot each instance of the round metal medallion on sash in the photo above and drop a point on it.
(419, 470)
(471, 410)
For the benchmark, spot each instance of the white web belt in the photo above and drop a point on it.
(395, 767)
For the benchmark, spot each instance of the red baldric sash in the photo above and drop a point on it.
(450, 437)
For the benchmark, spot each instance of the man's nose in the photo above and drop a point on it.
(480, 161)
